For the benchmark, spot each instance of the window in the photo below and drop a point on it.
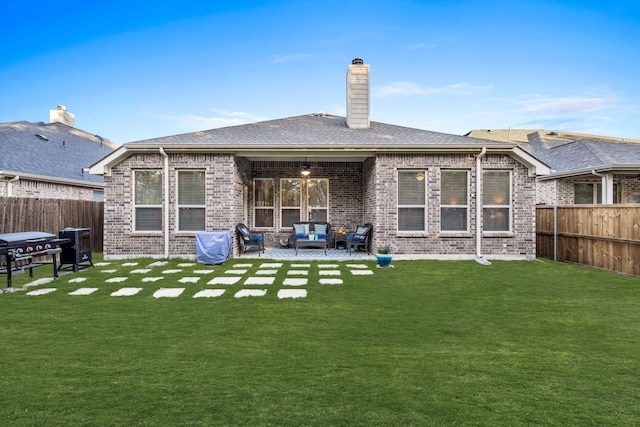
(496, 200)
(290, 201)
(263, 192)
(454, 200)
(590, 193)
(147, 201)
(191, 200)
(412, 200)
(318, 199)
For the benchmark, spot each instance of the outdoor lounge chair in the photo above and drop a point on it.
(359, 238)
(250, 239)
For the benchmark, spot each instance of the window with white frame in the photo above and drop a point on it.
(454, 200)
(147, 200)
(590, 193)
(412, 200)
(191, 200)
(318, 199)
(290, 201)
(263, 202)
(496, 200)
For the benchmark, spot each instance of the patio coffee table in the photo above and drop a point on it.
(306, 243)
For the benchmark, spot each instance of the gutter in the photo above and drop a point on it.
(479, 258)
(166, 202)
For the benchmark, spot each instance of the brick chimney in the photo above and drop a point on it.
(358, 94)
(61, 115)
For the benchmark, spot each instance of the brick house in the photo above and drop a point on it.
(50, 160)
(586, 169)
(434, 195)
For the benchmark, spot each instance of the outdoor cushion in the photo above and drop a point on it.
(323, 236)
(302, 236)
(362, 230)
(320, 228)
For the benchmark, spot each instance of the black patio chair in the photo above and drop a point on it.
(250, 239)
(359, 238)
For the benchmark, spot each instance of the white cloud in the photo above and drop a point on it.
(194, 122)
(279, 59)
(568, 105)
(412, 88)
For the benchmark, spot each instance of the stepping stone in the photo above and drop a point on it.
(294, 282)
(357, 266)
(152, 279)
(141, 271)
(101, 264)
(223, 280)
(83, 291)
(327, 266)
(209, 293)
(187, 264)
(108, 271)
(329, 272)
(250, 293)
(116, 280)
(259, 281)
(298, 273)
(125, 292)
(158, 264)
(361, 272)
(267, 272)
(300, 265)
(39, 282)
(247, 265)
(202, 271)
(171, 271)
(189, 280)
(78, 280)
(129, 264)
(42, 291)
(168, 293)
(331, 281)
(292, 293)
(271, 265)
(235, 271)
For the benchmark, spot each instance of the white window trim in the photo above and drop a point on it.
(425, 205)
(255, 208)
(510, 205)
(136, 205)
(467, 205)
(282, 207)
(309, 207)
(179, 206)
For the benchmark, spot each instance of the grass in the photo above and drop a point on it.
(424, 343)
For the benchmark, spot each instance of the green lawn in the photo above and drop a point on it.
(426, 343)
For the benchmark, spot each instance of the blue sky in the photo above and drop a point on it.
(136, 70)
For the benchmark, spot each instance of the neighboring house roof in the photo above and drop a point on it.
(569, 153)
(321, 136)
(51, 152)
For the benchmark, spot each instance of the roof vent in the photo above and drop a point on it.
(357, 61)
(42, 137)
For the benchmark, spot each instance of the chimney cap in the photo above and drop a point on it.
(357, 61)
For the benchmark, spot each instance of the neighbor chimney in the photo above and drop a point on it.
(61, 115)
(358, 95)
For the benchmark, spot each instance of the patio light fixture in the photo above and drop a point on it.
(306, 168)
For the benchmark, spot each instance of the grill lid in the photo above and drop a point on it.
(24, 238)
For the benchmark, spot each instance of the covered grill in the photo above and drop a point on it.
(20, 249)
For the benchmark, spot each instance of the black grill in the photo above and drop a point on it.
(76, 254)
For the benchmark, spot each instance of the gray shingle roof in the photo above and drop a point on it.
(585, 153)
(60, 151)
(316, 130)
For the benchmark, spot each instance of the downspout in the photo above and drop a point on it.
(607, 192)
(10, 187)
(479, 258)
(166, 202)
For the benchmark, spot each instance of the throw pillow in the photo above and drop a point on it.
(320, 228)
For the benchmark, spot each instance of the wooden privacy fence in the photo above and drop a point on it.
(51, 215)
(602, 236)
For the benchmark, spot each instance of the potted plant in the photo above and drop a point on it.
(384, 256)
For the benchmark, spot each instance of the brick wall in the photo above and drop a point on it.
(48, 190)
(359, 192)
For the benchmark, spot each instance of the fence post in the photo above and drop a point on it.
(555, 232)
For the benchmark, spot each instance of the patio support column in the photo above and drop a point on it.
(479, 203)
(166, 202)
